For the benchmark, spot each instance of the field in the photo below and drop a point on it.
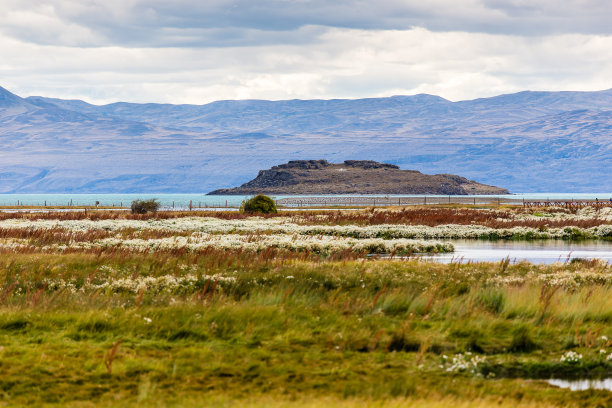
(221, 309)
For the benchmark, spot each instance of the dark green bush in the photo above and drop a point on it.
(259, 204)
(145, 206)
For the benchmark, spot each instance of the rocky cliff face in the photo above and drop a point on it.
(355, 177)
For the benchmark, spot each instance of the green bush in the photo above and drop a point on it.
(145, 206)
(259, 204)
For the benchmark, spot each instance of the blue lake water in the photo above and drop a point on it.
(202, 200)
(119, 200)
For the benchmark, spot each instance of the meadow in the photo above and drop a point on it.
(296, 309)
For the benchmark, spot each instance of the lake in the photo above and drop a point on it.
(541, 252)
(202, 200)
(583, 385)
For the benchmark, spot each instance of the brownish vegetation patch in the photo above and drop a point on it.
(430, 216)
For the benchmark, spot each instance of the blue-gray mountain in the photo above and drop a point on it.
(529, 141)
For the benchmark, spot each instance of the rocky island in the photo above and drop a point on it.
(354, 177)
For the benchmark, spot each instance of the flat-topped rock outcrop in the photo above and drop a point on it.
(354, 177)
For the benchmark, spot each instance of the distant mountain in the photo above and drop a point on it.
(301, 177)
(528, 141)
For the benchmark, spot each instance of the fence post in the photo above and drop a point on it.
(190, 206)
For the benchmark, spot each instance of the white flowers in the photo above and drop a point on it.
(254, 234)
(571, 357)
(557, 277)
(317, 244)
(156, 284)
(257, 234)
(466, 362)
(291, 225)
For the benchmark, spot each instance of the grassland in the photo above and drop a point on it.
(239, 326)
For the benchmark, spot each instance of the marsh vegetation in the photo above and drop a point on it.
(210, 325)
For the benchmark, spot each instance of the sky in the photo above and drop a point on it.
(198, 51)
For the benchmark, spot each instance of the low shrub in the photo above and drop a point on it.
(145, 206)
(259, 204)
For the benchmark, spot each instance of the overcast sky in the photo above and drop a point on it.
(197, 51)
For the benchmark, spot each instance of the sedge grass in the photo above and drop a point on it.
(219, 327)
(348, 332)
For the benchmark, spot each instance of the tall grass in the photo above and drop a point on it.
(227, 327)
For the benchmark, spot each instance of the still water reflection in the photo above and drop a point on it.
(543, 252)
(581, 385)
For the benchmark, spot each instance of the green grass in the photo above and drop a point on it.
(286, 332)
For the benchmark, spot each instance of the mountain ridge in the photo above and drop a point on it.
(526, 141)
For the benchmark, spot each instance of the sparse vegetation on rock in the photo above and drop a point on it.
(355, 177)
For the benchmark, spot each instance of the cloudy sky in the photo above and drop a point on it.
(197, 51)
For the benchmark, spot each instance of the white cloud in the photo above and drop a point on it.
(193, 23)
(191, 51)
(342, 63)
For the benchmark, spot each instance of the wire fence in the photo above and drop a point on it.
(119, 205)
(312, 201)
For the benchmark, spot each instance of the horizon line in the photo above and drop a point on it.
(308, 99)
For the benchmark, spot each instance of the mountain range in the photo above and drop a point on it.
(525, 142)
